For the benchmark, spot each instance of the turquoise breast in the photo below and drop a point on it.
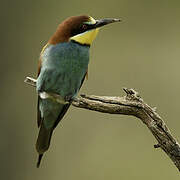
(63, 68)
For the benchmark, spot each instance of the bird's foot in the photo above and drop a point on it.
(68, 98)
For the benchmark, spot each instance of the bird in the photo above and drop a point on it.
(62, 68)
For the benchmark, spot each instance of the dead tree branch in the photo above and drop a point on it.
(131, 104)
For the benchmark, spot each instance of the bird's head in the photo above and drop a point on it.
(82, 29)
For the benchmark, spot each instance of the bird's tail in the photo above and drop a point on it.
(48, 122)
(43, 142)
(39, 160)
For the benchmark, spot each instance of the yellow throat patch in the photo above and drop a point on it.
(88, 36)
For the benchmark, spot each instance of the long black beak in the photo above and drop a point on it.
(102, 22)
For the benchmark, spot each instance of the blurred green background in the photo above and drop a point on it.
(142, 52)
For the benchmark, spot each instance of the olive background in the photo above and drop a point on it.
(141, 52)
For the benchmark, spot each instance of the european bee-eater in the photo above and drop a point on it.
(63, 66)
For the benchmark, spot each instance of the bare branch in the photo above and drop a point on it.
(131, 104)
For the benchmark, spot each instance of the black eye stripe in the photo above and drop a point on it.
(82, 28)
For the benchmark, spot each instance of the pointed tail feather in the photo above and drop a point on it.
(39, 160)
(43, 141)
(49, 118)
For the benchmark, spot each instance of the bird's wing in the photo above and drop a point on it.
(39, 70)
(63, 111)
(66, 107)
(39, 119)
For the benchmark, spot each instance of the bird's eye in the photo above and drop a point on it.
(84, 27)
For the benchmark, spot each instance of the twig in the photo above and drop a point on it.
(131, 104)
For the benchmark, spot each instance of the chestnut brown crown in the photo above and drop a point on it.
(70, 27)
